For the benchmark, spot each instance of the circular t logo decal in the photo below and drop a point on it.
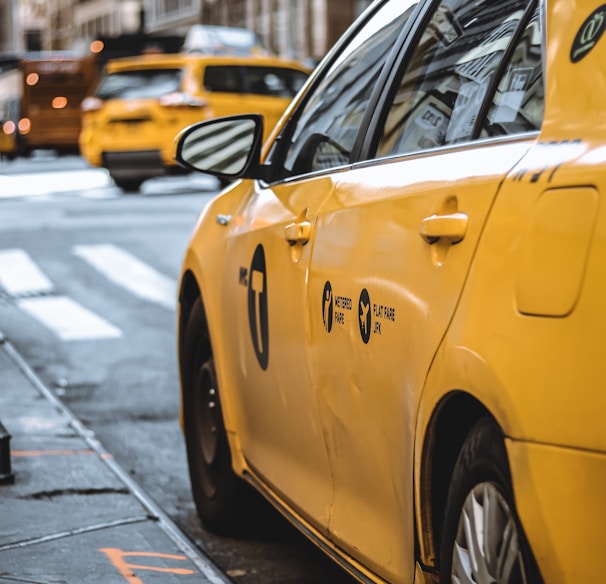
(257, 307)
(327, 307)
(589, 34)
(364, 315)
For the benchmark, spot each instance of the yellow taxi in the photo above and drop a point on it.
(142, 102)
(393, 327)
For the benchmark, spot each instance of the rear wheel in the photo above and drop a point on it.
(482, 540)
(128, 185)
(222, 499)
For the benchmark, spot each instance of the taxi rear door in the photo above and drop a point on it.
(393, 248)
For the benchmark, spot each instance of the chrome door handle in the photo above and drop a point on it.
(449, 228)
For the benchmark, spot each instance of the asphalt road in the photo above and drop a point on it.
(70, 242)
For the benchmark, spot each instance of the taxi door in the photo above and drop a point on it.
(393, 247)
(279, 422)
(264, 283)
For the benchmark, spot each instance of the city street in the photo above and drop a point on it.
(88, 279)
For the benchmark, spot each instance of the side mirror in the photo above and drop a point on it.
(228, 148)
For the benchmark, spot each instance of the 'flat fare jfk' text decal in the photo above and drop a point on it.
(339, 310)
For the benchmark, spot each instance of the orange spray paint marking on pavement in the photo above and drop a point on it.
(116, 557)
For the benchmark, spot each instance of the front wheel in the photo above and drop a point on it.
(482, 539)
(222, 499)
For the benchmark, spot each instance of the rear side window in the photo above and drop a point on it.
(518, 103)
(453, 71)
(142, 83)
(257, 80)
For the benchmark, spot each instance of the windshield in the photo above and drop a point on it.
(142, 83)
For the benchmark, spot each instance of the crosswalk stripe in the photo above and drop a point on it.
(19, 275)
(69, 320)
(45, 183)
(128, 272)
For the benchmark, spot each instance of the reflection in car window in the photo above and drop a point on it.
(449, 74)
(274, 81)
(519, 101)
(328, 125)
(142, 83)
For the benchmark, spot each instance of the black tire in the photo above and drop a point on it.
(128, 185)
(481, 476)
(222, 499)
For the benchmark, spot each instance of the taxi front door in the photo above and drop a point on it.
(265, 296)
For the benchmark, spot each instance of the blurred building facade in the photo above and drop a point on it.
(302, 29)
(11, 38)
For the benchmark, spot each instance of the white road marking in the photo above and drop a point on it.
(45, 183)
(19, 275)
(125, 270)
(69, 320)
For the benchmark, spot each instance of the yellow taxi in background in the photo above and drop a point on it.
(142, 102)
(394, 326)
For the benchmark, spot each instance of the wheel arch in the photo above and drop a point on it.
(189, 292)
(449, 425)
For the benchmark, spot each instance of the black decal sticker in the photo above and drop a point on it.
(537, 175)
(589, 34)
(327, 306)
(243, 278)
(364, 315)
(257, 307)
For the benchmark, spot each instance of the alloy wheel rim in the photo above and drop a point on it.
(487, 545)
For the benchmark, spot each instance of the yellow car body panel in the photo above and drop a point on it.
(507, 310)
(539, 367)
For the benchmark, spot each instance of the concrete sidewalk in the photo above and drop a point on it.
(72, 515)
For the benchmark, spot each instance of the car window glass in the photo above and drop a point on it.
(449, 74)
(143, 83)
(274, 81)
(518, 104)
(328, 124)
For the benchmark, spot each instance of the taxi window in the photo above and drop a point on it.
(327, 127)
(141, 83)
(273, 81)
(449, 74)
(518, 104)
